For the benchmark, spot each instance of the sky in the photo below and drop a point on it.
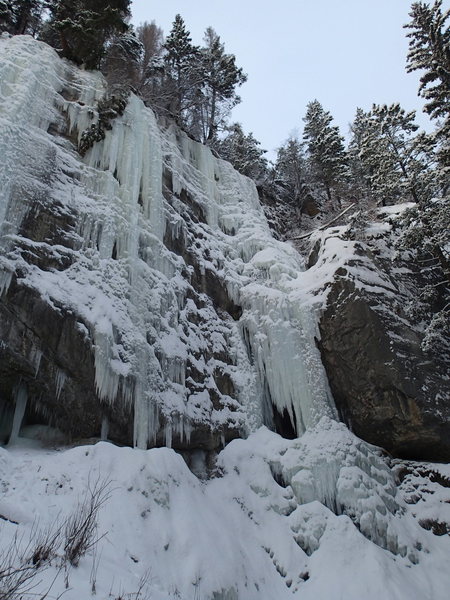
(346, 54)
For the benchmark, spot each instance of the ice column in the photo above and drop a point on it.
(21, 404)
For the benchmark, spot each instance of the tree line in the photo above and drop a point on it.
(196, 86)
(387, 159)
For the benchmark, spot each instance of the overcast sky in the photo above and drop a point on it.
(346, 53)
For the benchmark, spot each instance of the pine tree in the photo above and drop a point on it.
(181, 70)
(391, 161)
(219, 78)
(425, 227)
(80, 29)
(325, 146)
(429, 51)
(243, 151)
(290, 173)
(5, 15)
(20, 17)
(359, 169)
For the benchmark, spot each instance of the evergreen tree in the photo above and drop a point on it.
(326, 152)
(181, 70)
(359, 169)
(5, 15)
(219, 78)
(20, 17)
(429, 51)
(243, 152)
(290, 173)
(390, 162)
(80, 29)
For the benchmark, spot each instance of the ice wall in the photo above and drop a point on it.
(174, 275)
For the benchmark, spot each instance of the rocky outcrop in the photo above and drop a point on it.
(387, 389)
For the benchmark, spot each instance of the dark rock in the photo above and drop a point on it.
(61, 384)
(386, 388)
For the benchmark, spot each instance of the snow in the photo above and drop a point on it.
(239, 532)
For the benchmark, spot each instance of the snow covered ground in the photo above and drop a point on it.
(269, 524)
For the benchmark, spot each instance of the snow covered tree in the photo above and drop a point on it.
(80, 29)
(219, 79)
(392, 164)
(290, 173)
(20, 17)
(5, 15)
(181, 70)
(123, 58)
(358, 148)
(243, 151)
(427, 229)
(326, 152)
(429, 51)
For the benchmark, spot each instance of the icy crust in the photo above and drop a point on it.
(282, 519)
(27, 109)
(162, 344)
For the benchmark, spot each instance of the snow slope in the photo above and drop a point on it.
(239, 534)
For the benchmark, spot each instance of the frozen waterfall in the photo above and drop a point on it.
(174, 275)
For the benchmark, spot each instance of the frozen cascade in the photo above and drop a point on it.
(60, 381)
(160, 346)
(105, 429)
(27, 110)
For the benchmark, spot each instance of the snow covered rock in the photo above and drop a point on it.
(389, 389)
(144, 299)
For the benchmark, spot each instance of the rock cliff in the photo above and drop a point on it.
(390, 388)
(144, 299)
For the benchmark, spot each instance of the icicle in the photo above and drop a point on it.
(5, 281)
(105, 429)
(35, 359)
(168, 433)
(60, 380)
(21, 397)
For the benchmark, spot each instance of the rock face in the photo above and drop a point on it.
(143, 298)
(387, 389)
